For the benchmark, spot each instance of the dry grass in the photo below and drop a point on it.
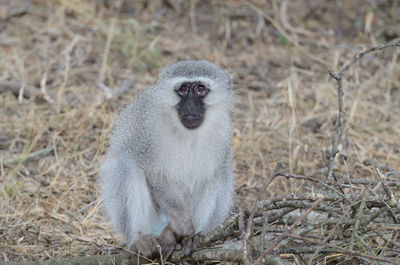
(286, 111)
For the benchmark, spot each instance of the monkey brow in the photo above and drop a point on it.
(190, 72)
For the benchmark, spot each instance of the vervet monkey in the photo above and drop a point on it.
(167, 176)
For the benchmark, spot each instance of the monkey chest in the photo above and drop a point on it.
(186, 165)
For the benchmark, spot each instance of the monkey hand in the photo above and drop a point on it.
(146, 245)
(191, 243)
(167, 242)
(181, 224)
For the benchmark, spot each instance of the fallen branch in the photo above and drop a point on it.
(369, 182)
(16, 87)
(285, 235)
(91, 260)
(344, 250)
(30, 157)
(229, 251)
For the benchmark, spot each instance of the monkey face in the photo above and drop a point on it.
(191, 107)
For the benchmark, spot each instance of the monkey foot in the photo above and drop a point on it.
(146, 245)
(191, 243)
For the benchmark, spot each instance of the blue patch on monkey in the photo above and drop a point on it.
(158, 228)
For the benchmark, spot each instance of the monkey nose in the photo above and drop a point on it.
(191, 121)
(192, 117)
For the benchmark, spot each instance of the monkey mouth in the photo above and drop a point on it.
(191, 121)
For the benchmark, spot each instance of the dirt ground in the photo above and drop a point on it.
(66, 53)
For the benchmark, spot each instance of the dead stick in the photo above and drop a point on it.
(343, 250)
(340, 119)
(90, 260)
(357, 221)
(15, 87)
(30, 157)
(331, 234)
(285, 235)
(246, 235)
(388, 192)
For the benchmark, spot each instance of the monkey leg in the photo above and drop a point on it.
(215, 202)
(129, 204)
(146, 245)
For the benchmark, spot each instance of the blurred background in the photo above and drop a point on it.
(67, 67)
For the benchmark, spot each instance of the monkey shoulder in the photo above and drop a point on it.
(130, 133)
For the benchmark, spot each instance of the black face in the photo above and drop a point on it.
(191, 108)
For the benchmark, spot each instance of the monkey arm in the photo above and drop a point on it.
(180, 220)
(174, 206)
(179, 230)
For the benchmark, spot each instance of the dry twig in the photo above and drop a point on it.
(343, 250)
(253, 211)
(15, 89)
(338, 76)
(285, 235)
(30, 157)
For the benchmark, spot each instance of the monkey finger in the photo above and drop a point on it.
(166, 252)
(137, 248)
(178, 247)
(152, 239)
(147, 246)
(134, 249)
(154, 247)
(201, 238)
(154, 243)
(187, 245)
(196, 241)
(146, 249)
(147, 252)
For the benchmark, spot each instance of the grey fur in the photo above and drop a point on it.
(154, 163)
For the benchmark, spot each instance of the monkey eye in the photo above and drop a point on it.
(202, 90)
(183, 90)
